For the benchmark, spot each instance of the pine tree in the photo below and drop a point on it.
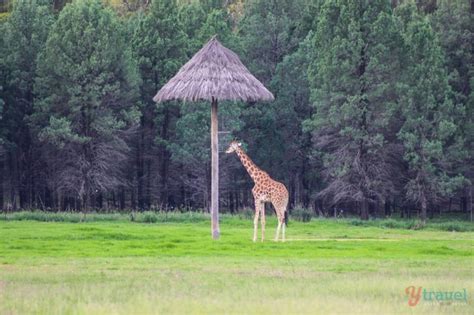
(2, 130)
(454, 24)
(291, 107)
(86, 92)
(190, 147)
(356, 64)
(270, 30)
(3, 71)
(159, 45)
(218, 23)
(24, 35)
(429, 133)
(192, 17)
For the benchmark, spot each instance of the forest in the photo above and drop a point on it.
(373, 111)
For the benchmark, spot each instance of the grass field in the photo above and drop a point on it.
(172, 266)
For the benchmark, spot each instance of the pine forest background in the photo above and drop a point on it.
(373, 113)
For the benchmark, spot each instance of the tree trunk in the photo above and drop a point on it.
(237, 200)
(423, 209)
(100, 201)
(140, 165)
(148, 185)
(364, 210)
(48, 199)
(469, 201)
(133, 200)
(231, 202)
(245, 197)
(85, 205)
(215, 171)
(122, 198)
(388, 208)
(164, 158)
(113, 201)
(2, 171)
(305, 184)
(463, 202)
(13, 158)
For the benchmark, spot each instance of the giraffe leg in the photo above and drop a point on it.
(255, 220)
(284, 215)
(262, 221)
(255, 226)
(277, 211)
(277, 234)
(283, 230)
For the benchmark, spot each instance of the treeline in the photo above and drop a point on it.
(373, 111)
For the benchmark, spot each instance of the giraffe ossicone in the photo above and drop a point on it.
(265, 190)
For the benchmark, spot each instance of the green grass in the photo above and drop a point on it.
(302, 215)
(434, 224)
(109, 265)
(75, 217)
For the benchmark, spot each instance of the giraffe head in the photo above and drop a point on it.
(233, 146)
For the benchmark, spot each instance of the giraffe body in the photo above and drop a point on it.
(265, 190)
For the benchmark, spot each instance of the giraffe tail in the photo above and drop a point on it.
(286, 217)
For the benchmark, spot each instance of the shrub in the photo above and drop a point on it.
(247, 213)
(357, 222)
(388, 223)
(302, 214)
(454, 226)
(148, 217)
(73, 217)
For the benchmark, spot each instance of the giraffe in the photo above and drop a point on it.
(265, 190)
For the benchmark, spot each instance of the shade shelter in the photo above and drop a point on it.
(214, 73)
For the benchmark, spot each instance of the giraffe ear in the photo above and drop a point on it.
(239, 144)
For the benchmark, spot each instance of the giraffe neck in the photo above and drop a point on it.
(249, 165)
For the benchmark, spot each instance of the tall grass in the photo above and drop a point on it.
(140, 217)
(444, 224)
(161, 217)
(410, 224)
(75, 217)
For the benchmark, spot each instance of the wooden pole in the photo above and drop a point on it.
(214, 172)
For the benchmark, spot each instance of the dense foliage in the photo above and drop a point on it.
(373, 111)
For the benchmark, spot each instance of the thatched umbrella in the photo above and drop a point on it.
(214, 73)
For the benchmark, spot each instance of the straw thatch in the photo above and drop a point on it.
(214, 72)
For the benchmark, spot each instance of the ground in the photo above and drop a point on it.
(326, 267)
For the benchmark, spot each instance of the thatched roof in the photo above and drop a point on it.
(214, 71)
